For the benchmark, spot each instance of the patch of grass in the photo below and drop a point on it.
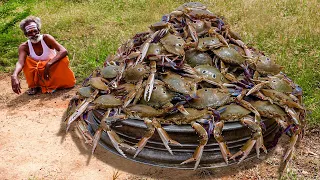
(286, 30)
(11, 13)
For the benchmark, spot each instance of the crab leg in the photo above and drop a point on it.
(293, 141)
(150, 82)
(245, 150)
(247, 105)
(212, 32)
(116, 141)
(293, 114)
(146, 47)
(245, 48)
(143, 141)
(164, 136)
(82, 126)
(256, 88)
(217, 132)
(202, 142)
(81, 109)
(257, 139)
(289, 153)
(96, 139)
(193, 33)
(98, 132)
(132, 94)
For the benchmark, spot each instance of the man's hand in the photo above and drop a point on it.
(46, 71)
(15, 83)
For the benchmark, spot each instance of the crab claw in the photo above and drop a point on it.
(256, 88)
(196, 157)
(150, 131)
(117, 142)
(202, 142)
(260, 145)
(257, 139)
(96, 138)
(181, 109)
(293, 114)
(132, 95)
(82, 126)
(79, 110)
(164, 136)
(149, 87)
(222, 144)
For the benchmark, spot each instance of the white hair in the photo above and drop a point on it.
(28, 20)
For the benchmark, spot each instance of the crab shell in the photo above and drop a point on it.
(107, 101)
(210, 97)
(195, 58)
(229, 55)
(233, 112)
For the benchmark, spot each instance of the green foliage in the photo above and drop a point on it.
(286, 30)
(11, 13)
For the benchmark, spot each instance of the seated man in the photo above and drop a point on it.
(43, 60)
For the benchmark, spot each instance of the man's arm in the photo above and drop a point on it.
(15, 83)
(53, 44)
(61, 53)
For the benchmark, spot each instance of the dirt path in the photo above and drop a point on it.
(34, 145)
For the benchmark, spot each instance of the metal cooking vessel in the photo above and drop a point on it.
(154, 153)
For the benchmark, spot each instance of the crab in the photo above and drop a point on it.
(111, 104)
(278, 82)
(207, 74)
(235, 112)
(105, 123)
(81, 107)
(210, 97)
(146, 112)
(265, 65)
(180, 84)
(195, 58)
(192, 118)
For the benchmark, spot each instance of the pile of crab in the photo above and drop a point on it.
(190, 69)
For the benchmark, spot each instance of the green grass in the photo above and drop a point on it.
(286, 30)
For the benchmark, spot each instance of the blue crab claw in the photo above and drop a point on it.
(133, 94)
(150, 131)
(181, 108)
(196, 157)
(117, 142)
(82, 126)
(202, 142)
(79, 110)
(217, 132)
(245, 150)
(96, 139)
(172, 63)
(150, 82)
(164, 136)
(260, 145)
(293, 114)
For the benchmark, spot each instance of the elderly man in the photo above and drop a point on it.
(43, 60)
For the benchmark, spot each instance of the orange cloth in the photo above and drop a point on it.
(61, 75)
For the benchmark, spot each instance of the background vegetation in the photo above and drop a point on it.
(286, 30)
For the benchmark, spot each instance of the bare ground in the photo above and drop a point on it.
(34, 145)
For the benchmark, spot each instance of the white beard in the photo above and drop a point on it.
(35, 39)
